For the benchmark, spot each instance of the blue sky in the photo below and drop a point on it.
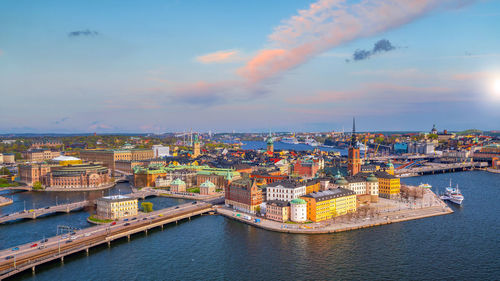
(158, 66)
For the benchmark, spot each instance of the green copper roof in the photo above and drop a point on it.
(372, 178)
(207, 184)
(341, 181)
(298, 201)
(177, 181)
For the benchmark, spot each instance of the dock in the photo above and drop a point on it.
(30, 255)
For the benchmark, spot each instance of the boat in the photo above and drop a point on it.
(453, 195)
(311, 142)
(425, 185)
(290, 140)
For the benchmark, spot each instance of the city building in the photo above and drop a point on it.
(313, 185)
(207, 188)
(31, 173)
(116, 207)
(278, 210)
(161, 151)
(40, 155)
(46, 143)
(285, 190)
(389, 186)
(108, 157)
(243, 195)
(421, 147)
(487, 153)
(325, 205)
(306, 168)
(298, 210)
(178, 185)
(78, 176)
(365, 185)
(7, 158)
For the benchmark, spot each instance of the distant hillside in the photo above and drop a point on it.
(470, 132)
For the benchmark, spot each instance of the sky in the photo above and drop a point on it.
(248, 66)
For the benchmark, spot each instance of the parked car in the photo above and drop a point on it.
(44, 240)
(15, 249)
(127, 224)
(34, 245)
(125, 220)
(134, 218)
(113, 223)
(41, 247)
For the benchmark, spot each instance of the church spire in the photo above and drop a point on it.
(354, 142)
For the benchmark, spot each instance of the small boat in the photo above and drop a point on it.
(425, 185)
(290, 140)
(453, 195)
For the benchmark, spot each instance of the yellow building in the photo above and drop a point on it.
(116, 207)
(66, 160)
(389, 186)
(325, 205)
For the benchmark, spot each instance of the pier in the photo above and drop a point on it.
(30, 255)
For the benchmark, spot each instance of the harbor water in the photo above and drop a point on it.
(460, 246)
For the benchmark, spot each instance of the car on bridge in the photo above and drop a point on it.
(113, 223)
(44, 240)
(9, 257)
(15, 249)
(34, 245)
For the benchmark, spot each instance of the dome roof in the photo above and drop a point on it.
(338, 175)
(65, 158)
(341, 181)
(177, 181)
(298, 201)
(389, 165)
(372, 178)
(207, 184)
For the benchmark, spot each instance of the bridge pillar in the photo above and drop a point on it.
(109, 244)
(33, 270)
(175, 222)
(128, 237)
(62, 259)
(189, 218)
(67, 209)
(146, 231)
(34, 215)
(162, 227)
(87, 251)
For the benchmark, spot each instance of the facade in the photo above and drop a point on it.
(278, 210)
(196, 146)
(161, 151)
(421, 147)
(487, 153)
(218, 180)
(285, 190)
(207, 188)
(40, 155)
(243, 195)
(109, 156)
(331, 203)
(362, 184)
(389, 186)
(312, 186)
(306, 168)
(78, 176)
(178, 185)
(298, 210)
(7, 158)
(31, 173)
(116, 207)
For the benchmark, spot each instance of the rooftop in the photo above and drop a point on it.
(330, 194)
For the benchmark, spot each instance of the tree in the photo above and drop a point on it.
(37, 185)
(147, 207)
(5, 171)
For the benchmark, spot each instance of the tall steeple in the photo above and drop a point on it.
(354, 142)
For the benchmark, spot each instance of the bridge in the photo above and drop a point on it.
(30, 255)
(34, 213)
(435, 168)
(404, 157)
(21, 187)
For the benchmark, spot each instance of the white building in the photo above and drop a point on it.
(285, 190)
(161, 151)
(116, 207)
(298, 210)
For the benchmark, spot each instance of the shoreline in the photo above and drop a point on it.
(4, 201)
(340, 227)
(325, 227)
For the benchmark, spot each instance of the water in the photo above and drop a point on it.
(285, 146)
(463, 245)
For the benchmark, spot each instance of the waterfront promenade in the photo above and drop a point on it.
(386, 212)
(4, 201)
(29, 255)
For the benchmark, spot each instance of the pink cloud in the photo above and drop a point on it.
(220, 57)
(327, 24)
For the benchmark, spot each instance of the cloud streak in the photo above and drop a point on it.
(225, 56)
(87, 32)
